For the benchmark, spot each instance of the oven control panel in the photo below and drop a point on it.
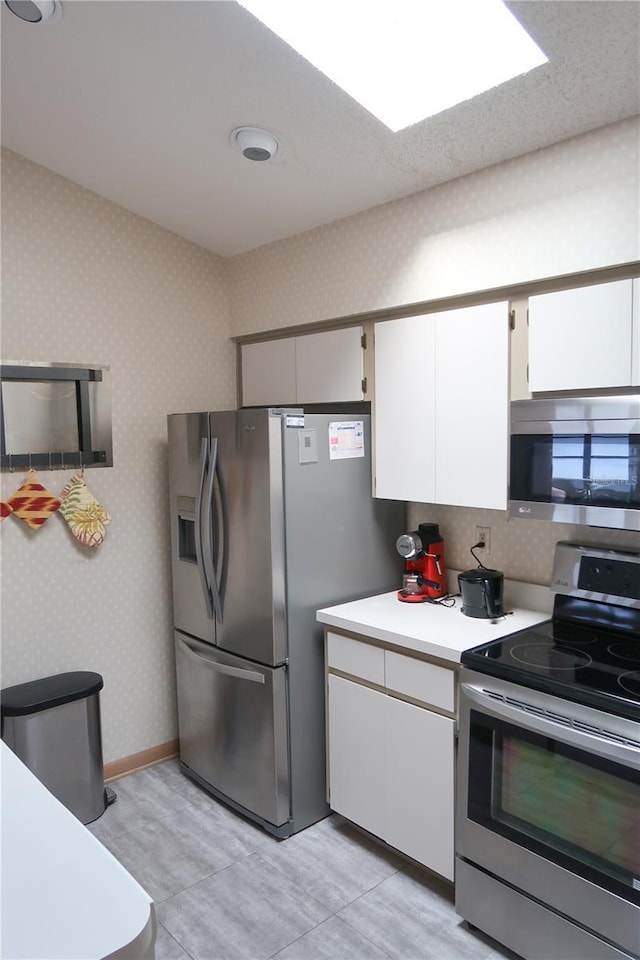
(613, 577)
(600, 573)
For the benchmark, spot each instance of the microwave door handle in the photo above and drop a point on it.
(204, 451)
(593, 740)
(238, 672)
(209, 546)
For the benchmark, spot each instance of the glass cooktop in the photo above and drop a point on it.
(584, 662)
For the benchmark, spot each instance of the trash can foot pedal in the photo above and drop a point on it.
(110, 796)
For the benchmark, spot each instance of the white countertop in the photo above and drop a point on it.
(64, 896)
(434, 629)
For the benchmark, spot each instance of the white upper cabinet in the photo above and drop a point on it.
(329, 366)
(585, 338)
(324, 367)
(472, 406)
(404, 359)
(269, 373)
(442, 407)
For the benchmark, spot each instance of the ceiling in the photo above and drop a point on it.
(136, 99)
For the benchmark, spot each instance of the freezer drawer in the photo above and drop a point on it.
(232, 718)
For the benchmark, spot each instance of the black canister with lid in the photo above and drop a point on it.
(481, 591)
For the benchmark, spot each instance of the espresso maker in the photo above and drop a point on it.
(424, 575)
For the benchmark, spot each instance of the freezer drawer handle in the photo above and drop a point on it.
(198, 529)
(238, 672)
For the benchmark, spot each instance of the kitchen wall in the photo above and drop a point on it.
(571, 207)
(85, 281)
(522, 548)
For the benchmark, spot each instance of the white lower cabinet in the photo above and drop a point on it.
(419, 771)
(390, 762)
(356, 772)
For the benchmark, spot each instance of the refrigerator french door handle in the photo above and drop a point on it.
(204, 455)
(209, 547)
(238, 672)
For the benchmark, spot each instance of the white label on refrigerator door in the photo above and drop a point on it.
(294, 421)
(346, 439)
(307, 446)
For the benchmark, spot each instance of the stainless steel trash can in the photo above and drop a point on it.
(53, 725)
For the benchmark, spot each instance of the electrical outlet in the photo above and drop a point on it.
(484, 534)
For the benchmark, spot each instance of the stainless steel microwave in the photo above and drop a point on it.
(576, 460)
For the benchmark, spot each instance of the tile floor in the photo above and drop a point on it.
(225, 890)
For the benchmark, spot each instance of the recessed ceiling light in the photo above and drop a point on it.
(36, 11)
(405, 60)
(254, 143)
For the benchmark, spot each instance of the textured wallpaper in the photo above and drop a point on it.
(523, 549)
(570, 207)
(85, 281)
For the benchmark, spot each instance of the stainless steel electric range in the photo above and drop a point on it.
(548, 808)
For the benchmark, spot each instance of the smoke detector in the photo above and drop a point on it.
(35, 11)
(254, 143)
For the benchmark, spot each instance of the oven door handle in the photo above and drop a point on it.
(582, 735)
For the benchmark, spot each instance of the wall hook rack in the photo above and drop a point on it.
(36, 411)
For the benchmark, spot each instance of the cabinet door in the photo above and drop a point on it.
(357, 781)
(581, 339)
(472, 406)
(420, 762)
(635, 332)
(329, 366)
(269, 373)
(404, 413)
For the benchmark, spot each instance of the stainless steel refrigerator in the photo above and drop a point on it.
(271, 517)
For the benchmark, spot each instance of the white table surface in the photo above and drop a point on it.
(434, 629)
(64, 896)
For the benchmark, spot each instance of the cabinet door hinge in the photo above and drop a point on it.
(527, 316)
(363, 341)
(364, 385)
(527, 373)
(512, 319)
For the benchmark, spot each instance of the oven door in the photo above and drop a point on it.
(549, 803)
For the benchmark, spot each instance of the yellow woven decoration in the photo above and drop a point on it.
(86, 517)
(32, 502)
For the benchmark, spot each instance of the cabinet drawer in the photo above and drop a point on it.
(355, 657)
(420, 680)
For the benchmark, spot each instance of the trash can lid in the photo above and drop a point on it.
(36, 695)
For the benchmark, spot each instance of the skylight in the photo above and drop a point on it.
(405, 60)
